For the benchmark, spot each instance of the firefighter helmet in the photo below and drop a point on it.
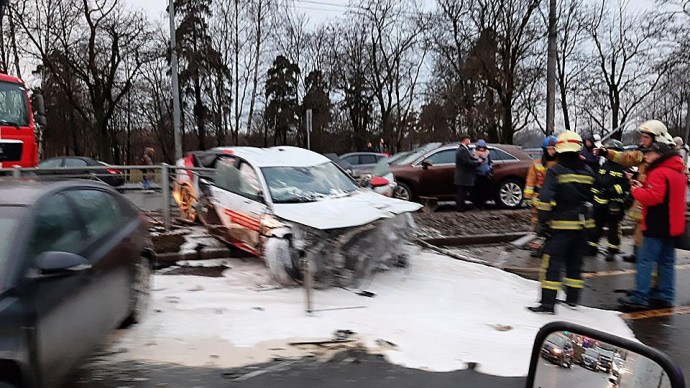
(549, 141)
(614, 145)
(657, 130)
(569, 141)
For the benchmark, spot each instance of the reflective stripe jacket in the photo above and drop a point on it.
(610, 185)
(535, 177)
(630, 159)
(565, 200)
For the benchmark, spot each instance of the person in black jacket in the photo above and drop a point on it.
(465, 166)
(611, 199)
(564, 212)
(588, 153)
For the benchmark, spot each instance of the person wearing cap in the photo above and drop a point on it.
(565, 203)
(465, 167)
(650, 131)
(534, 181)
(482, 184)
(611, 192)
(663, 220)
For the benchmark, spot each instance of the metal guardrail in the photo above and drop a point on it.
(132, 174)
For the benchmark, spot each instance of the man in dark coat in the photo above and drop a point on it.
(465, 166)
(587, 152)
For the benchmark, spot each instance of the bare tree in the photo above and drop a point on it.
(89, 41)
(630, 57)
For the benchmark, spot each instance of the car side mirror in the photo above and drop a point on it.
(426, 163)
(641, 365)
(53, 264)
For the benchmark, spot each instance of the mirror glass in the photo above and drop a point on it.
(572, 360)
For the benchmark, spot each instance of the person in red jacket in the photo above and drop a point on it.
(663, 220)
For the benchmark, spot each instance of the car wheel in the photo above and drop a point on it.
(403, 191)
(187, 204)
(140, 294)
(279, 260)
(509, 194)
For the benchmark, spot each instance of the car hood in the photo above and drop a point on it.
(358, 209)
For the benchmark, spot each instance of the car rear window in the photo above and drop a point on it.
(75, 163)
(497, 154)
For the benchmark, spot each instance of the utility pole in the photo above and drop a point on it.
(309, 129)
(551, 70)
(175, 82)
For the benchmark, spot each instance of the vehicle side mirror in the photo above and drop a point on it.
(41, 120)
(639, 364)
(426, 163)
(53, 263)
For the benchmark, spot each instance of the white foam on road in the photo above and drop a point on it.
(438, 315)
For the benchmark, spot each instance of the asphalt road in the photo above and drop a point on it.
(551, 375)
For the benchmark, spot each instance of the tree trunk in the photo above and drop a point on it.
(199, 113)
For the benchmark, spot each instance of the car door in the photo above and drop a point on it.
(436, 180)
(237, 197)
(62, 306)
(112, 252)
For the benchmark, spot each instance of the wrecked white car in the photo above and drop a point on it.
(294, 207)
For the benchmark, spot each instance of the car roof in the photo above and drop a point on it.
(276, 156)
(363, 153)
(26, 191)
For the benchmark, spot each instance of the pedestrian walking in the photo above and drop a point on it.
(534, 181)
(482, 184)
(650, 131)
(663, 220)
(147, 160)
(565, 215)
(465, 167)
(611, 199)
(681, 148)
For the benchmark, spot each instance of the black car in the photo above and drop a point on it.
(590, 359)
(71, 165)
(558, 349)
(74, 264)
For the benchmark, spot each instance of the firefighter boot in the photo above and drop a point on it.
(572, 297)
(546, 306)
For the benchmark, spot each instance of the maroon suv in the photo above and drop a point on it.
(430, 172)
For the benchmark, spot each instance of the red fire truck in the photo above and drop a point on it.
(18, 145)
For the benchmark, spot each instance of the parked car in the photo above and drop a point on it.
(605, 359)
(289, 205)
(430, 173)
(109, 175)
(362, 162)
(558, 349)
(74, 264)
(381, 180)
(590, 359)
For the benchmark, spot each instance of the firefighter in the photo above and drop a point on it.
(565, 216)
(535, 179)
(650, 131)
(611, 193)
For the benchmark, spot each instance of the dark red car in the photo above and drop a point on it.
(430, 172)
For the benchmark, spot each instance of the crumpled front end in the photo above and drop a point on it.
(343, 257)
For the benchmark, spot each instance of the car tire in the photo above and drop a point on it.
(280, 261)
(403, 191)
(509, 194)
(140, 293)
(187, 204)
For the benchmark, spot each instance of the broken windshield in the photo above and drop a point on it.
(306, 184)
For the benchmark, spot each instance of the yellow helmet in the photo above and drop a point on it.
(569, 141)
